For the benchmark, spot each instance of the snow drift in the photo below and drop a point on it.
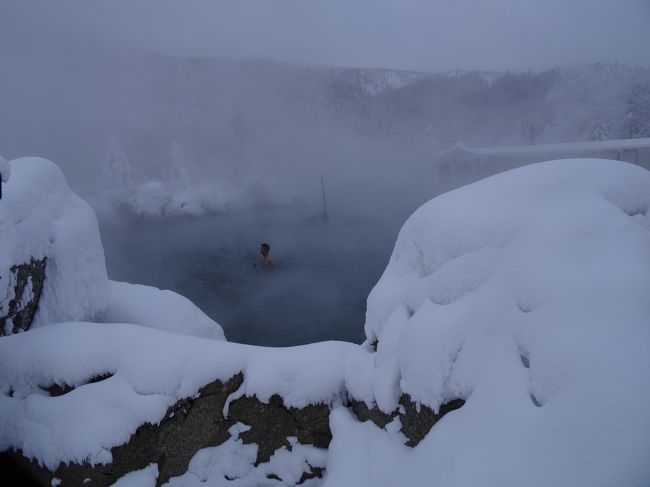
(526, 295)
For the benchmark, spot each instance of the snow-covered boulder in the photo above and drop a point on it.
(525, 296)
(156, 308)
(41, 219)
(52, 266)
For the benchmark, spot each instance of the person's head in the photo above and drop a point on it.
(264, 249)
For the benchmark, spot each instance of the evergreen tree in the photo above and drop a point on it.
(638, 110)
(598, 131)
(117, 168)
(180, 178)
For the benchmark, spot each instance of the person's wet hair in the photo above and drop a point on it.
(266, 247)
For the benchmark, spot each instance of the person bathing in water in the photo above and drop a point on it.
(267, 261)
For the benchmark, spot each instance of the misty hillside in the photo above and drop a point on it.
(258, 122)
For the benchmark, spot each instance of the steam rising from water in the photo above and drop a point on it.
(318, 291)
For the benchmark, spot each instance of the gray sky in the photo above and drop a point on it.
(428, 35)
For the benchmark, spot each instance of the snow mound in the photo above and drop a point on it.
(41, 217)
(161, 309)
(526, 295)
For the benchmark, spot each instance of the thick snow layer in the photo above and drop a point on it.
(526, 294)
(41, 217)
(151, 370)
(161, 309)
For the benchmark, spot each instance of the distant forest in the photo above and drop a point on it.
(247, 122)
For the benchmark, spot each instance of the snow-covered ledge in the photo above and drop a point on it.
(508, 339)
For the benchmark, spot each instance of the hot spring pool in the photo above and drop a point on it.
(318, 292)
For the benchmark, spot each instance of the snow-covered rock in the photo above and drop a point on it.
(40, 217)
(43, 224)
(525, 295)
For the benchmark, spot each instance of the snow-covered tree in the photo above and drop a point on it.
(638, 114)
(180, 177)
(116, 167)
(598, 131)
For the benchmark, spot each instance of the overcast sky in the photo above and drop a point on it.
(428, 35)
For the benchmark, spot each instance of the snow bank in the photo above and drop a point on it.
(161, 309)
(526, 294)
(40, 217)
(151, 370)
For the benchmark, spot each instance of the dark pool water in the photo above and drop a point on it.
(318, 292)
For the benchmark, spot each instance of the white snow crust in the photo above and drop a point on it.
(525, 294)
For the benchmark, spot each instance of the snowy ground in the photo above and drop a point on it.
(525, 294)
